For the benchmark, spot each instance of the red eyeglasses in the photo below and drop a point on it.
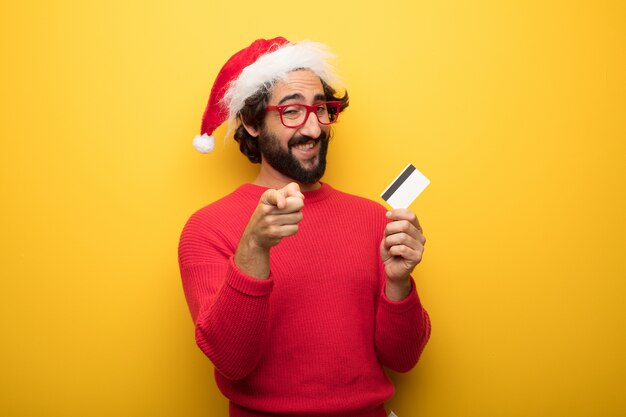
(296, 115)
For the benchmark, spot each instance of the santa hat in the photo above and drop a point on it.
(245, 73)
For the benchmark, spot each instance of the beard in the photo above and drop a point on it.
(284, 162)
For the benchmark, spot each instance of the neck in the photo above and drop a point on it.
(270, 178)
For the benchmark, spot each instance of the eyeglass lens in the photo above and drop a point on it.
(296, 115)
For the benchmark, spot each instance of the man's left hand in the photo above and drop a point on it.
(401, 250)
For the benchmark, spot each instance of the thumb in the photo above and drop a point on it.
(292, 190)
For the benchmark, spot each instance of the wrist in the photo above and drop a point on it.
(398, 290)
(252, 260)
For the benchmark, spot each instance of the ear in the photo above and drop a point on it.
(251, 131)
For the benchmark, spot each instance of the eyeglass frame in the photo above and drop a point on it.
(309, 110)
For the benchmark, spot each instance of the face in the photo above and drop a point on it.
(285, 162)
(300, 153)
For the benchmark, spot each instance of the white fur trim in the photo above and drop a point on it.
(204, 143)
(275, 66)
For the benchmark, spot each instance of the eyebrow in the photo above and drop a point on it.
(318, 97)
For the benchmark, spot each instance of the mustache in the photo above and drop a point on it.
(297, 140)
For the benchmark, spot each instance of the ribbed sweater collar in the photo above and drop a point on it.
(321, 193)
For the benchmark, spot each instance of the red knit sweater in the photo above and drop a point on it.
(314, 337)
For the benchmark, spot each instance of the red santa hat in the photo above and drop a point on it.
(262, 63)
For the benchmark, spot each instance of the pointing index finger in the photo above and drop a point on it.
(278, 198)
(274, 198)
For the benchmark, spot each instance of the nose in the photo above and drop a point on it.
(311, 127)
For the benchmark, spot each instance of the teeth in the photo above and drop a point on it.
(306, 146)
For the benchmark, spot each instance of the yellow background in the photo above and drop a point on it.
(514, 110)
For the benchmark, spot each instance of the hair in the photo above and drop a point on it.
(253, 115)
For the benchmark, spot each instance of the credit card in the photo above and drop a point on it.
(405, 188)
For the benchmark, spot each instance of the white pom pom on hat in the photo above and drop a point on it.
(204, 143)
(261, 63)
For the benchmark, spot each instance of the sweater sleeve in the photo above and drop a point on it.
(231, 327)
(402, 331)
(229, 308)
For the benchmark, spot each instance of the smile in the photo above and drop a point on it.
(306, 145)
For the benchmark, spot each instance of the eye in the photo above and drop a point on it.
(292, 112)
(322, 109)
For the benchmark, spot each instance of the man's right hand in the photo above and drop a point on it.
(277, 216)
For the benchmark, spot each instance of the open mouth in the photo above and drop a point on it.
(305, 146)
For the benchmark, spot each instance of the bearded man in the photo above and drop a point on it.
(300, 294)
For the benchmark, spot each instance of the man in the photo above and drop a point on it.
(300, 293)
